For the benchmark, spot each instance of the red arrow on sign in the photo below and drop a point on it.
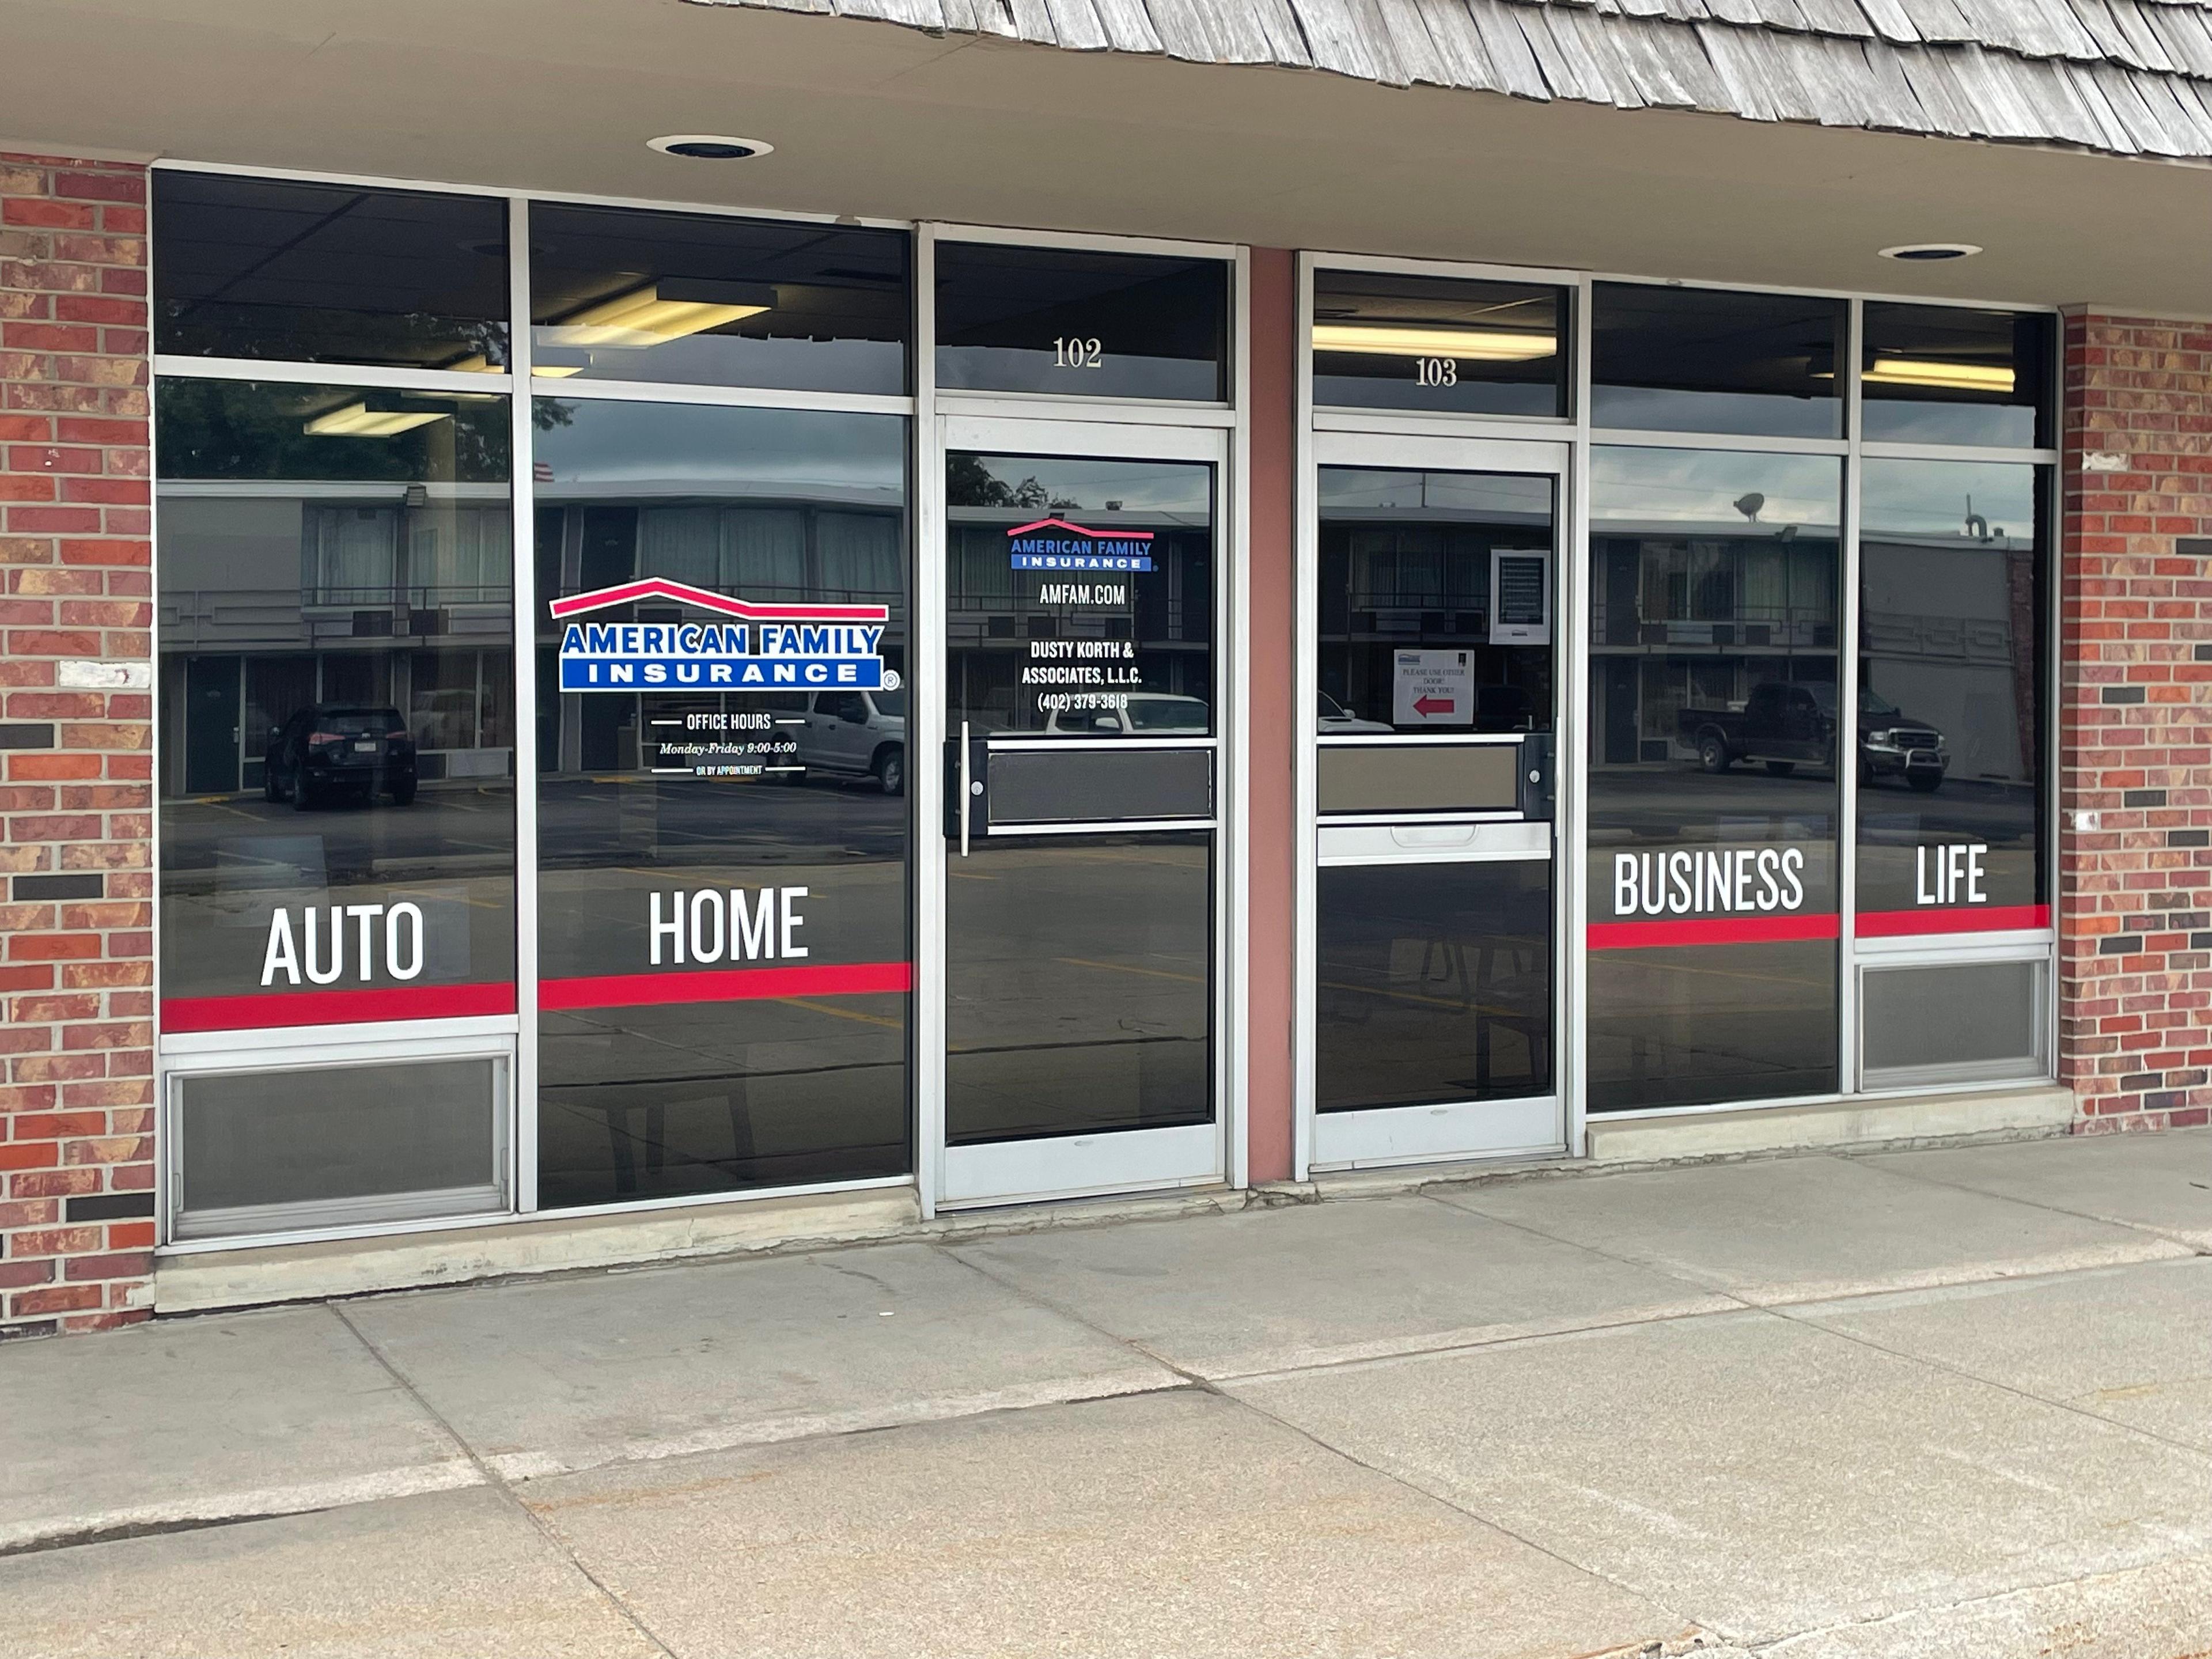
(1426, 706)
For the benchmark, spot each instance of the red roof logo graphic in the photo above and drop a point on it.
(660, 587)
(1077, 529)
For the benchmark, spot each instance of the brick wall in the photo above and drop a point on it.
(2136, 786)
(76, 1108)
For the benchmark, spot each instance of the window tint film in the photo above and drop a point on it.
(1384, 340)
(1079, 596)
(328, 273)
(619, 293)
(1941, 374)
(1713, 787)
(1436, 601)
(1080, 324)
(722, 830)
(1702, 359)
(335, 694)
(1953, 586)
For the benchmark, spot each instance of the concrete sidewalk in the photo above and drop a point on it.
(1947, 1402)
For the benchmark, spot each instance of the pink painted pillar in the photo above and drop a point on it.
(1274, 616)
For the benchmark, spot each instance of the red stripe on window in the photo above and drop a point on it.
(725, 985)
(1964, 919)
(1711, 930)
(334, 1007)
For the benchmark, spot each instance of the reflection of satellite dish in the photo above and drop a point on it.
(1749, 505)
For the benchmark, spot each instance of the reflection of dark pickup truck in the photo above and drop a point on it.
(1786, 725)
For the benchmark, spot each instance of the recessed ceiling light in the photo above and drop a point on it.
(1931, 251)
(710, 146)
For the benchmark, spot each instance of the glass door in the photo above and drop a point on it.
(1434, 955)
(1083, 863)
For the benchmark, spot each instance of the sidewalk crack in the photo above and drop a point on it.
(493, 1480)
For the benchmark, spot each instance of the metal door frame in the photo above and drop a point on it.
(1539, 1125)
(1130, 1160)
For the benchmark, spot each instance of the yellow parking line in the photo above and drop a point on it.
(845, 1013)
(1124, 968)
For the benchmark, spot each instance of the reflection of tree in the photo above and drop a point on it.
(969, 482)
(546, 413)
(257, 429)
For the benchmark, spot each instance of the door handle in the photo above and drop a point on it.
(965, 789)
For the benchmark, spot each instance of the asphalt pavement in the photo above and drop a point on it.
(1951, 1402)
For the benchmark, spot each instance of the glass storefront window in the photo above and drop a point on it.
(1082, 324)
(625, 294)
(1953, 586)
(337, 831)
(1946, 375)
(1713, 789)
(1080, 596)
(1383, 340)
(1665, 359)
(723, 957)
(1418, 564)
(319, 273)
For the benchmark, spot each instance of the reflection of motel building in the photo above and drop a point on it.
(1418, 575)
(364, 594)
(816, 543)
(1697, 615)
(400, 582)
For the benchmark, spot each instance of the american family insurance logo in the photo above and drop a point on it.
(1056, 544)
(766, 647)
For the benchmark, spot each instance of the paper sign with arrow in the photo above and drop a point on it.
(1432, 688)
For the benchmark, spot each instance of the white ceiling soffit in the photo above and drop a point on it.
(879, 120)
(2127, 77)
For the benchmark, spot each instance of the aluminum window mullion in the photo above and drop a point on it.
(523, 571)
(370, 377)
(726, 396)
(1849, 1059)
(1572, 770)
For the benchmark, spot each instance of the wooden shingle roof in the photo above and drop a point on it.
(2128, 77)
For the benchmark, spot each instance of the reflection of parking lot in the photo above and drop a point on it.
(449, 830)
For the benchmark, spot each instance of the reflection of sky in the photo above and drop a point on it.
(1481, 495)
(1639, 487)
(634, 444)
(1184, 487)
(1933, 498)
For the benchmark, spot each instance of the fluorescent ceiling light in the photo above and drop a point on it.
(360, 421)
(476, 363)
(1485, 345)
(1950, 377)
(662, 311)
(556, 371)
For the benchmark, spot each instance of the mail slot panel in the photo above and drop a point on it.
(1393, 778)
(1427, 842)
(1091, 785)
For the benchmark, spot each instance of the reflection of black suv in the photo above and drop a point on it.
(327, 749)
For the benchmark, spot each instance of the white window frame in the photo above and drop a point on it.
(1575, 653)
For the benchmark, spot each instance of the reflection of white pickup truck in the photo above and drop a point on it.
(855, 733)
(1147, 714)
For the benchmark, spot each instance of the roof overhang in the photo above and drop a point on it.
(877, 120)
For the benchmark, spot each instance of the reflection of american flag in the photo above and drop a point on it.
(541, 471)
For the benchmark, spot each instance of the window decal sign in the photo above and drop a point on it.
(767, 646)
(1057, 544)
